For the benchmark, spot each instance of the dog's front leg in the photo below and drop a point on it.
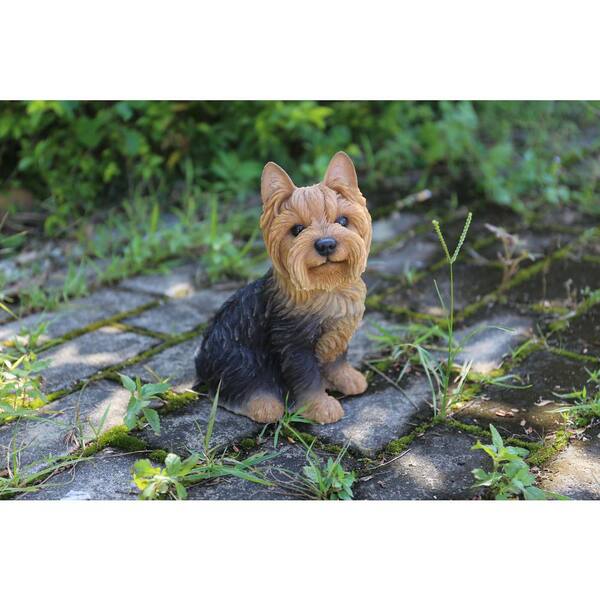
(303, 377)
(343, 377)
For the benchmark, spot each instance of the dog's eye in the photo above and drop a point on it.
(343, 221)
(297, 229)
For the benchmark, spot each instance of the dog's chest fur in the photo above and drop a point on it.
(339, 312)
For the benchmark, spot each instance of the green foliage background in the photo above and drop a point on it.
(76, 156)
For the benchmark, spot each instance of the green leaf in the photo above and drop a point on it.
(124, 110)
(128, 383)
(496, 438)
(180, 491)
(172, 463)
(211, 419)
(131, 416)
(533, 493)
(150, 390)
(487, 449)
(153, 419)
(517, 450)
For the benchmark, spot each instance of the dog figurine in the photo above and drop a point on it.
(288, 332)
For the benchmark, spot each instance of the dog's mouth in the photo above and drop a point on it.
(328, 263)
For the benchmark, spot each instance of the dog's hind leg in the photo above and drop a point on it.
(246, 381)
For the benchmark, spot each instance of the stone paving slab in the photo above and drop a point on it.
(536, 243)
(560, 286)
(105, 476)
(61, 423)
(176, 363)
(471, 283)
(290, 458)
(78, 313)
(486, 345)
(409, 255)
(575, 472)
(547, 374)
(179, 282)
(81, 357)
(182, 315)
(393, 226)
(377, 417)
(437, 466)
(582, 334)
(182, 432)
(361, 345)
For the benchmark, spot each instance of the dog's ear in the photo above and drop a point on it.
(341, 175)
(275, 183)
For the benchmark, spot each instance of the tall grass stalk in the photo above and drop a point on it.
(452, 350)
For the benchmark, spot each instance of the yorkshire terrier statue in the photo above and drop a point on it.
(288, 332)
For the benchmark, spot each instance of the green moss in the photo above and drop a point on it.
(531, 446)
(398, 446)
(574, 355)
(158, 456)
(544, 308)
(549, 450)
(401, 444)
(308, 438)
(177, 401)
(141, 331)
(475, 307)
(331, 448)
(484, 378)
(526, 349)
(116, 437)
(113, 376)
(247, 444)
(59, 394)
(478, 431)
(467, 428)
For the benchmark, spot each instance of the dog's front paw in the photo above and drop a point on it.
(322, 409)
(347, 380)
(264, 408)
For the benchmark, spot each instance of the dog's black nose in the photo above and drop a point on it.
(325, 246)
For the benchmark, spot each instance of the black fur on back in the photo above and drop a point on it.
(253, 344)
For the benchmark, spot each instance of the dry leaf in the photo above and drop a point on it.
(503, 413)
(543, 402)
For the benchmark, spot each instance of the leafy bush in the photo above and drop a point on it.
(79, 155)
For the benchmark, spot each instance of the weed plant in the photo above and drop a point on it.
(20, 382)
(172, 480)
(139, 409)
(587, 401)
(510, 476)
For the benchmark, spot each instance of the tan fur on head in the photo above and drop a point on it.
(316, 208)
